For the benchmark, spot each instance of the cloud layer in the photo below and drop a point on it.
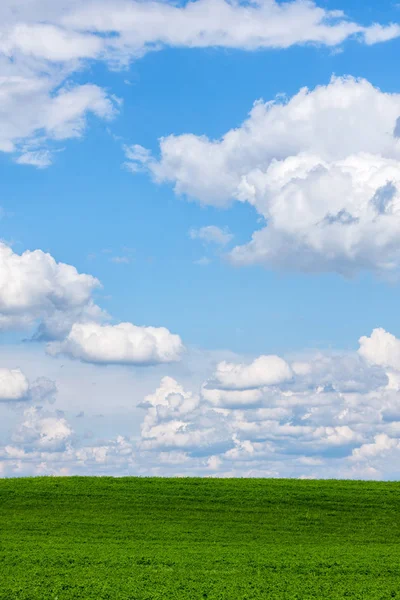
(318, 414)
(44, 44)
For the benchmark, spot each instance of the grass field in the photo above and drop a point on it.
(148, 539)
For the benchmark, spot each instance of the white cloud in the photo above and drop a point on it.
(263, 371)
(211, 234)
(231, 398)
(35, 110)
(42, 432)
(381, 445)
(322, 170)
(203, 23)
(381, 348)
(37, 158)
(14, 385)
(124, 344)
(33, 286)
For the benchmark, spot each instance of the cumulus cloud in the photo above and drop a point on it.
(264, 371)
(124, 343)
(321, 169)
(42, 432)
(381, 445)
(381, 348)
(14, 385)
(211, 234)
(33, 286)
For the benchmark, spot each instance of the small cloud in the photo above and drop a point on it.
(120, 260)
(38, 158)
(138, 158)
(211, 234)
(203, 262)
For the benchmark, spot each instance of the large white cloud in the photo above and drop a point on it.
(124, 343)
(33, 286)
(322, 169)
(43, 44)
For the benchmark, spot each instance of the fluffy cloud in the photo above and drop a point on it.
(381, 348)
(265, 370)
(211, 234)
(381, 445)
(14, 385)
(33, 286)
(124, 344)
(322, 170)
(42, 432)
(36, 111)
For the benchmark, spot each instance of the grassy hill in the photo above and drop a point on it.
(236, 539)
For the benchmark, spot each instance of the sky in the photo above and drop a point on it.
(200, 238)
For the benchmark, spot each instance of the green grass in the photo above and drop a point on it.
(237, 539)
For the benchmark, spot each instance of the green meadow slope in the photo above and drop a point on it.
(236, 539)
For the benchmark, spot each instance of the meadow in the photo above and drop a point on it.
(219, 539)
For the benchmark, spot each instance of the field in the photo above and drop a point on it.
(160, 539)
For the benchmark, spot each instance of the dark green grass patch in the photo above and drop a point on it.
(219, 539)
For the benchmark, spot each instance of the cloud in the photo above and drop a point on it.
(33, 286)
(381, 445)
(321, 169)
(381, 348)
(39, 158)
(139, 27)
(120, 260)
(42, 432)
(14, 385)
(119, 344)
(211, 234)
(264, 371)
(37, 110)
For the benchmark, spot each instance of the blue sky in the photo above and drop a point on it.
(92, 95)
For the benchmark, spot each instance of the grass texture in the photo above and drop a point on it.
(216, 539)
